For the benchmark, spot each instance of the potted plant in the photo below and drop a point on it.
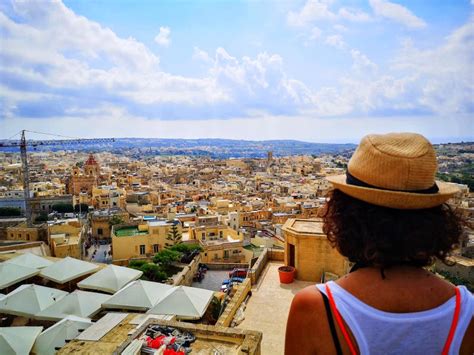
(286, 274)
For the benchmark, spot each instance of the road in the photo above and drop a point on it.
(99, 254)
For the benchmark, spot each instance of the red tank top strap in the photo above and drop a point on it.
(454, 323)
(351, 345)
(340, 322)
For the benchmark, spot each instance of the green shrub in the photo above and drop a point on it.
(137, 264)
(185, 248)
(166, 257)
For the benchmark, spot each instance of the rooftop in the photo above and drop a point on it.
(267, 309)
(304, 226)
(129, 232)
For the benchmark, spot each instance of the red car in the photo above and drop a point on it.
(238, 273)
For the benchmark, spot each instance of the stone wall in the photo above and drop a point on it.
(226, 266)
(185, 276)
(276, 255)
(258, 267)
(242, 290)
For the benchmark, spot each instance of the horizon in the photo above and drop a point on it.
(325, 71)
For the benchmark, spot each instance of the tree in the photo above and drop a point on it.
(166, 257)
(116, 219)
(10, 211)
(43, 217)
(174, 236)
(153, 272)
(82, 207)
(185, 248)
(63, 207)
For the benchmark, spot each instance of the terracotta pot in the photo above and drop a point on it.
(286, 274)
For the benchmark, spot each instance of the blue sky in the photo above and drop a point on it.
(313, 70)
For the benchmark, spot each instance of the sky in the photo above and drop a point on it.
(311, 70)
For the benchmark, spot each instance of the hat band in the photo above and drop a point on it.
(352, 180)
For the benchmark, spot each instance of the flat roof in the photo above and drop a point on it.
(129, 232)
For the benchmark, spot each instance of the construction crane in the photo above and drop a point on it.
(23, 144)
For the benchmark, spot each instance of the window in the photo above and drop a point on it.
(27, 236)
(142, 249)
(156, 248)
(221, 234)
(100, 231)
(203, 236)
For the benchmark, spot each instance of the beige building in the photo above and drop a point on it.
(141, 240)
(308, 250)
(65, 239)
(24, 233)
(100, 221)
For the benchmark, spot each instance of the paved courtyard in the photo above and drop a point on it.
(267, 309)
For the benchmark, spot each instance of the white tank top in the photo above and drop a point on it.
(425, 332)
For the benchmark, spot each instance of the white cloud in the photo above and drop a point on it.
(354, 15)
(319, 10)
(315, 33)
(163, 37)
(396, 13)
(335, 41)
(55, 64)
(199, 54)
(341, 28)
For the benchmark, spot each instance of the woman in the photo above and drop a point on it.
(388, 216)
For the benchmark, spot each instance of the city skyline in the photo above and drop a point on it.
(316, 70)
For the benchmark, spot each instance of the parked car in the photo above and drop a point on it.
(238, 273)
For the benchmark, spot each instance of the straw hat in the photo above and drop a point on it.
(395, 170)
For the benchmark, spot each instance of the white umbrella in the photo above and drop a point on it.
(28, 300)
(184, 302)
(56, 336)
(138, 295)
(18, 340)
(78, 303)
(30, 260)
(111, 279)
(68, 269)
(11, 274)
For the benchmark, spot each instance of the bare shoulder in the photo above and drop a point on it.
(305, 309)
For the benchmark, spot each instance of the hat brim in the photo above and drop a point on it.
(395, 199)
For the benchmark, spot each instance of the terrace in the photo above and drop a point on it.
(129, 231)
(267, 309)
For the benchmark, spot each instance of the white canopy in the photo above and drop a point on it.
(11, 274)
(68, 269)
(78, 303)
(28, 300)
(17, 340)
(184, 302)
(138, 295)
(30, 260)
(56, 336)
(111, 279)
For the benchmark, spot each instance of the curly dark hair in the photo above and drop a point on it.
(384, 237)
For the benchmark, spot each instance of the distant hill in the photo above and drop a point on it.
(214, 148)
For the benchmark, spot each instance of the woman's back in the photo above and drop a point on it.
(409, 312)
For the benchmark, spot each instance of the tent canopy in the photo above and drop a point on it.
(111, 279)
(68, 269)
(138, 295)
(11, 274)
(56, 336)
(184, 302)
(30, 260)
(17, 340)
(78, 303)
(28, 300)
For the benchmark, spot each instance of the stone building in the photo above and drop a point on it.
(308, 250)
